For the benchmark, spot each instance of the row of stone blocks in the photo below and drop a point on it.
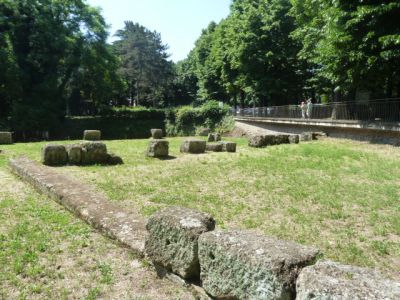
(87, 153)
(259, 141)
(236, 264)
(160, 148)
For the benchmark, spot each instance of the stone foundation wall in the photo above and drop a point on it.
(380, 133)
(227, 264)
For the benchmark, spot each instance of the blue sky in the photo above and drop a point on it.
(179, 21)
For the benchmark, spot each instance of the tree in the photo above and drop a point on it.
(144, 63)
(47, 43)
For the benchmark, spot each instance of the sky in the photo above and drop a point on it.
(179, 21)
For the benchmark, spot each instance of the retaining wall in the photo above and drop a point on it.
(376, 132)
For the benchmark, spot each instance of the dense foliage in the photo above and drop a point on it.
(55, 60)
(273, 52)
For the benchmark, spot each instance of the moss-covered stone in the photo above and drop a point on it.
(331, 280)
(247, 265)
(214, 147)
(193, 146)
(94, 153)
(228, 146)
(156, 133)
(158, 148)
(92, 135)
(54, 155)
(74, 154)
(172, 241)
(294, 139)
(5, 138)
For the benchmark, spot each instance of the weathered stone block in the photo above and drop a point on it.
(54, 155)
(214, 147)
(268, 140)
(306, 136)
(172, 241)
(92, 135)
(330, 280)
(294, 139)
(256, 141)
(246, 265)
(113, 159)
(74, 154)
(193, 146)
(156, 133)
(158, 148)
(5, 138)
(228, 146)
(94, 153)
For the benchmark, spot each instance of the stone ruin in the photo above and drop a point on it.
(259, 141)
(243, 264)
(92, 135)
(193, 146)
(156, 134)
(222, 146)
(158, 148)
(5, 138)
(87, 153)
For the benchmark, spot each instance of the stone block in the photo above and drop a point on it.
(54, 155)
(172, 240)
(256, 141)
(306, 136)
(92, 135)
(74, 154)
(294, 139)
(331, 280)
(268, 140)
(193, 146)
(203, 131)
(94, 153)
(158, 148)
(113, 159)
(5, 138)
(246, 265)
(214, 147)
(156, 133)
(228, 146)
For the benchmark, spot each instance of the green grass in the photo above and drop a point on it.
(47, 253)
(337, 195)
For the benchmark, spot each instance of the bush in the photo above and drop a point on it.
(186, 119)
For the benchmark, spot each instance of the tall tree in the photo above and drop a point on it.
(144, 63)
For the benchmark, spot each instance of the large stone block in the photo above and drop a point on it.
(54, 155)
(172, 241)
(193, 146)
(5, 138)
(268, 140)
(74, 154)
(214, 147)
(318, 135)
(306, 136)
(333, 281)
(94, 153)
(92, 135)
(228, 146)
(294, 139)
(158, 148)
(246, 265)
(156, 133)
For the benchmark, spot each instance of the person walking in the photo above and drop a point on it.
(303, 108)
(309, 108)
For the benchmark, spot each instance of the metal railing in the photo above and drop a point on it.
(383, 110)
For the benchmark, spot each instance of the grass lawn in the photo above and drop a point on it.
(46, 253)
(340, 196)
